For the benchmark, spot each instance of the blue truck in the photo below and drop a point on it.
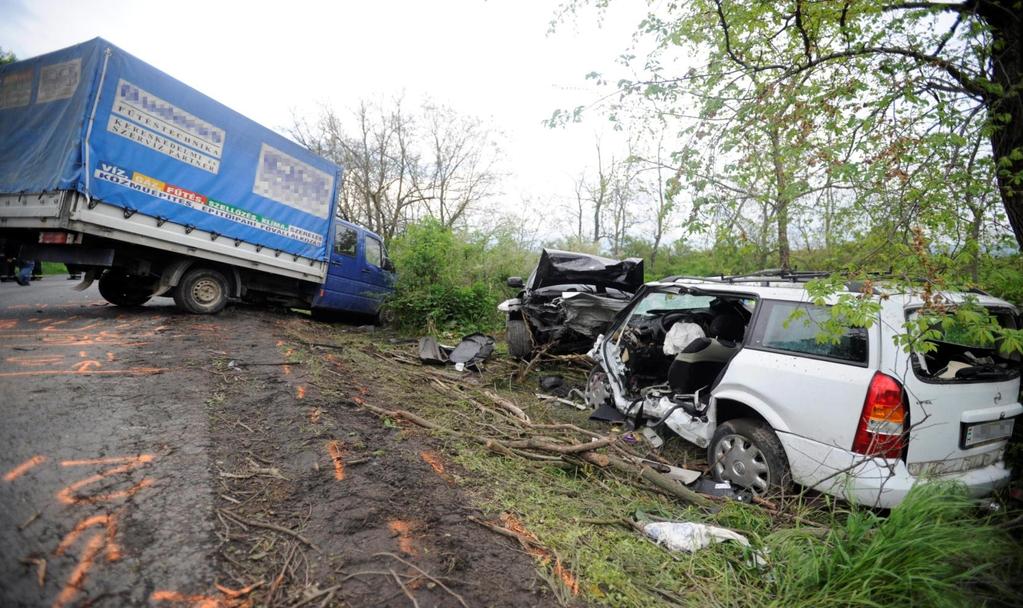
(152, 188)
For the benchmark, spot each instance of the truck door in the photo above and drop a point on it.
(357, 280)
(347, 287)
(375, 271)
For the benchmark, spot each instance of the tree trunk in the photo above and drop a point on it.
(1006, 24)
(976, 223)
(782, 200)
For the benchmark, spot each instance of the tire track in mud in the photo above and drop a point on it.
(376, 501)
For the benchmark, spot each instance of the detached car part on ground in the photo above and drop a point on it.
(726, 366)
(568, 300)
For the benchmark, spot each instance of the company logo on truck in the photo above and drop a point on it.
(152, 122)
(145, 184)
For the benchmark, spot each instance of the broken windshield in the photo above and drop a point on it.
(660, 302)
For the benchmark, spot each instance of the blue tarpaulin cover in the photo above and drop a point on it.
(95, 119)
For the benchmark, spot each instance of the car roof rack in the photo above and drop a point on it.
(761, 276)
(779, 276)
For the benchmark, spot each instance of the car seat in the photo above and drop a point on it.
(699, 364)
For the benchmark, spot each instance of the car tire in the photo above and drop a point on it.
(120, 289)
(747, 453)
(202, 291)
(520, 344)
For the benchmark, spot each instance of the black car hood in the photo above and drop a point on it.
(568, 268)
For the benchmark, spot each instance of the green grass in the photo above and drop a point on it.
(54, 268)
(936, 549)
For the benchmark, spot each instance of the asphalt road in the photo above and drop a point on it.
(155, 458)
(104, 490)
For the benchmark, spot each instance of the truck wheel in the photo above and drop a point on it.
(520, 346)
(120, 289)
(202, 291)
(747, 453)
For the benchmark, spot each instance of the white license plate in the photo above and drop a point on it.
(982, 432)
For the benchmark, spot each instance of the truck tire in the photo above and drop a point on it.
(520, 344)
(745, 452)
(120, 289)
(202, 291)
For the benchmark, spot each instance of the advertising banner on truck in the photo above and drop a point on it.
(152, 145)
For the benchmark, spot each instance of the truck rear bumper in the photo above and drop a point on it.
(875, 482)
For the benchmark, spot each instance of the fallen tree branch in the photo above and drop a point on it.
(507, 406)
(427, 575)
(537, 444)
(660, 481)
(262, 524)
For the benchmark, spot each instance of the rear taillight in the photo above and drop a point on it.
(881, 431)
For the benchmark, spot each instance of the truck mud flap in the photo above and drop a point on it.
(87, 280)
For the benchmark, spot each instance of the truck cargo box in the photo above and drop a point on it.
(155, 159)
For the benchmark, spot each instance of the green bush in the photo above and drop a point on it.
(450, 281)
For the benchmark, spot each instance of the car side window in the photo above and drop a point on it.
(777, 329)
(374, 252)
(345, 239)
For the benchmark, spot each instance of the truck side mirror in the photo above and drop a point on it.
(516, 282)
(388, 265)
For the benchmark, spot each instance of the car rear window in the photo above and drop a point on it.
(959, 356)
(795, 327)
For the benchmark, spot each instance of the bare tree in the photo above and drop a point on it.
(401, 166)
(460, 171)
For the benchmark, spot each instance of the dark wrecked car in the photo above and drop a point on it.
(568, 300)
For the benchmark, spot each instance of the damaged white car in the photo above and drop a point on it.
(725, 365)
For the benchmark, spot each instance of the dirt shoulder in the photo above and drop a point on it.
(322, 502)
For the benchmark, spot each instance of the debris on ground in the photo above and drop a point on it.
(576, 404)
(691, 537)
(723, 489)
(473, 350)
(554, 385)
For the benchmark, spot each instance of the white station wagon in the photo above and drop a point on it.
(725, 365)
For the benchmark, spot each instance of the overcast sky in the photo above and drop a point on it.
(492, 59)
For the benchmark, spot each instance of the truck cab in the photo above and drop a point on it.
(359, 274)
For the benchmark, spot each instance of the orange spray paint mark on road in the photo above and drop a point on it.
(435, 461)
(69, 496)
(110, 357)
(39, 360)
(533, 547)
(83, 354)
(314, 415)
(286, 369)
(93, 547)
(24, 467)
(131, 371)
(403, 530)
(84, 367)
(232, 598)
(300, 392)
(52, 326)
(109, 520)
(336, 455)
